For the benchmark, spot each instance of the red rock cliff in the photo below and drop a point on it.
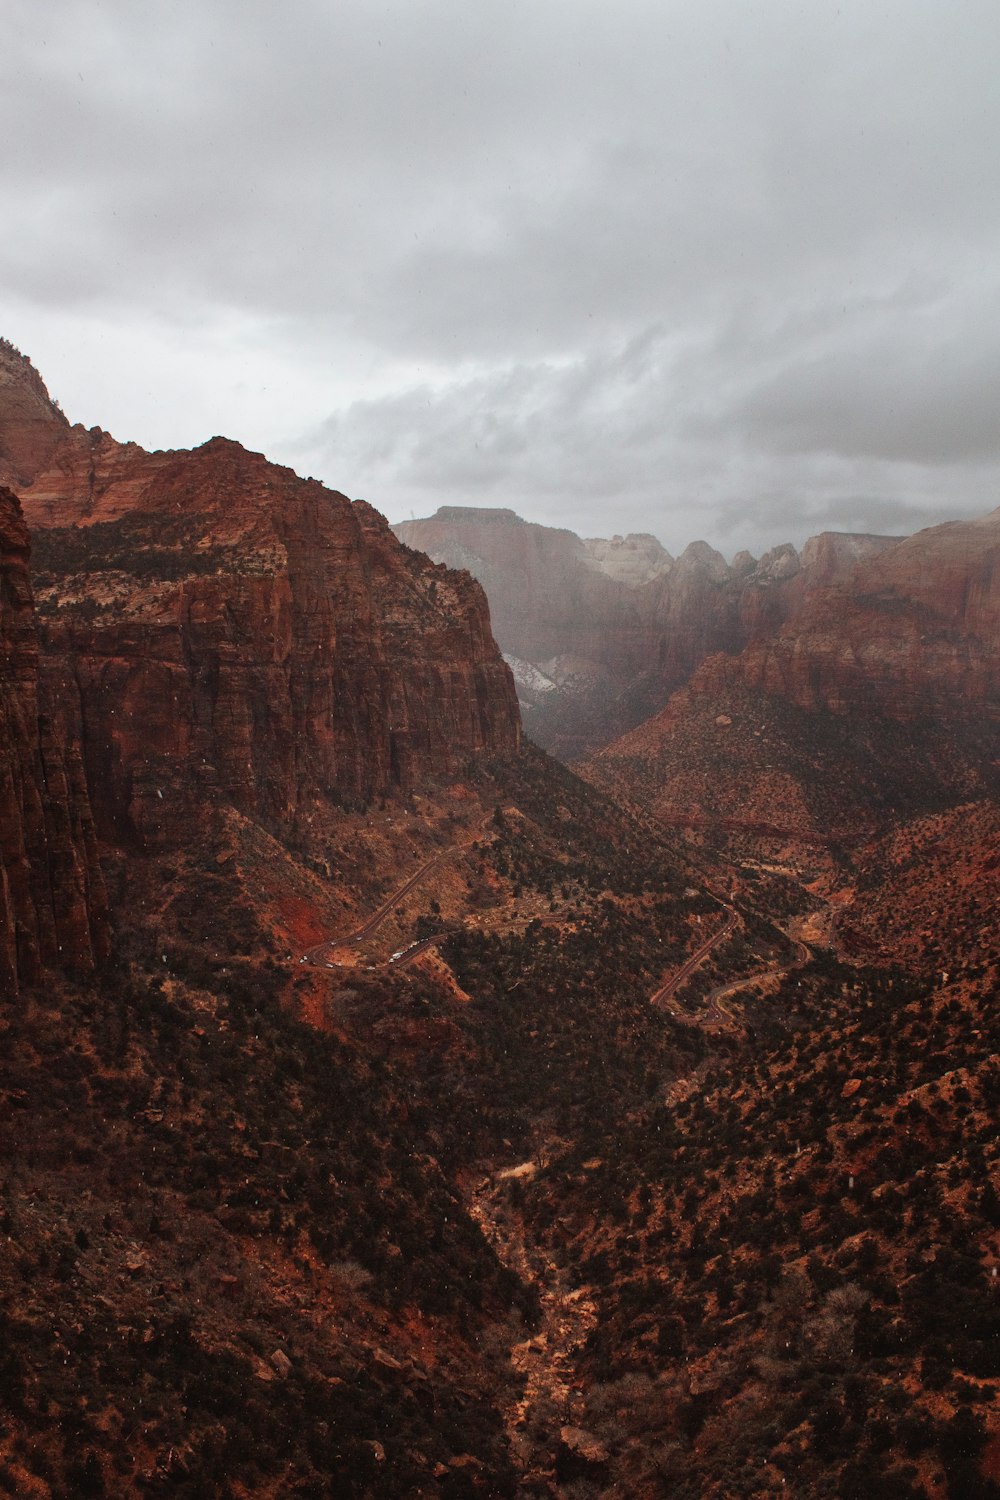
(53, 910)
(32, 426)
(880, 693)
(616, 626)
(915, 630)
(215, 627)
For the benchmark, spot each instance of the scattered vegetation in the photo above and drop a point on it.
(151, 548)
(240, 1255)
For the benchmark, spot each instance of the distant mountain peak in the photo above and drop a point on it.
(633, 560)
(704, 558)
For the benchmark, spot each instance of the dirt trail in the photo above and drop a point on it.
(546, 1363)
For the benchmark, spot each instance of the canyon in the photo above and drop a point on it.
(599, 632)
(208, 630)
(390, 1109)
(894, 663)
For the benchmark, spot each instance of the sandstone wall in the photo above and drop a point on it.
(53, 908)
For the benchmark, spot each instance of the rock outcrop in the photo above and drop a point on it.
(888, 658)
(634, 559)
(215, 628)
(907, 630)
(53, 908)
(33, 426)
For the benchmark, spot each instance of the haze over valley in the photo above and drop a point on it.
(391, 1108)
(499, 751)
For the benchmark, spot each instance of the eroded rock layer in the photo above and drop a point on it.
(601, 632)
(53, 911)
(32, 426)
(878, 696)
(912, 631)
(215, 628)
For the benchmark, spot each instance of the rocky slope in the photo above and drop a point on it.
(53, 910)
(876, 698)
(380, 984)
(600, 632)
(214, 627)
(916, 630)
(791, 1267)
(33, 426)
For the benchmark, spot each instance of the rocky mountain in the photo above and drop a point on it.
(405, 1115)
(916, 629)
(215, 627)
(53, 909)
(878, 696)
(211, 670)
(33, 426)
(576, 619)
(632, 559)
(600, 632)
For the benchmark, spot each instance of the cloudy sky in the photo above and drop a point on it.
(692, 267)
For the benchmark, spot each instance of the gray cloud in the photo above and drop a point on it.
(663, 267)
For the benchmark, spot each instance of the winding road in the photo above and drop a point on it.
(315, 954)
(716, 1013)
(670, 986)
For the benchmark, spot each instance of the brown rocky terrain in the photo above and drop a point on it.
(928, 890)
(790, 1267)
(437, 1124)
(765, 1260)
(53, 910)
(33, 425)
(215, 627)
(876, 699)
(227, 664)
(916, 630)
(600, 632)
(852, 753)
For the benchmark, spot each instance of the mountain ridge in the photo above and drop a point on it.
(618, 624)
(272, 637)
(433, 1122)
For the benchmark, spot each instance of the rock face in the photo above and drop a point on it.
(601, 632)
(548, 598)
(632, 559)
(888, 659)
(591, 627)
(33, 426)
(909, 631)
(215, 628)
(53, 909)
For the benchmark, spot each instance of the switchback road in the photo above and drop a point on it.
(717, 1013)
(670, 986)
(315, 955)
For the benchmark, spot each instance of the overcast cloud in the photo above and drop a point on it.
(705, 269)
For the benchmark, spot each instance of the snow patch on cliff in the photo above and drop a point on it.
(528, 677)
